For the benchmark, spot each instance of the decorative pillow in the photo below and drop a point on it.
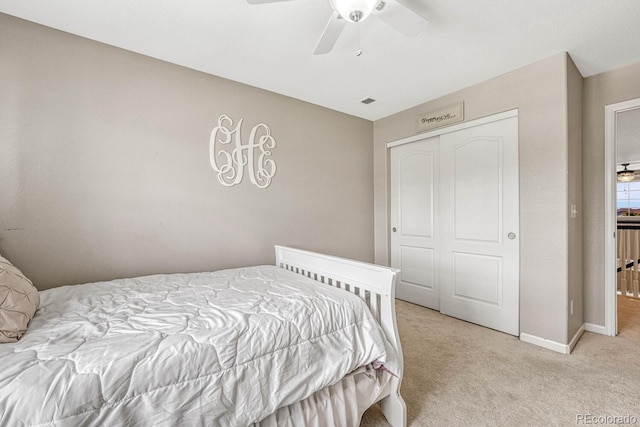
(19, 300)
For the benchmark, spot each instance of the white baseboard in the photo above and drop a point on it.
(576, 337)
(543, 342)
(553, 345)
(598, 329)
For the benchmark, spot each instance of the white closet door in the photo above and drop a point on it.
(479, 259)
(414, 210)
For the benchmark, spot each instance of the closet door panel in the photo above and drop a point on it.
(414, 200)
(479, 252)
(477, 190)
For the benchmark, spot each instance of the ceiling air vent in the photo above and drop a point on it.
(368, 100)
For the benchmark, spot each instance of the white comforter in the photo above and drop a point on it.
(224, 348)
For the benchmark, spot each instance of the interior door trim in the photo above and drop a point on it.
(610, 226)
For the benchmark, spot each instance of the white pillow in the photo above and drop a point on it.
(19, 300)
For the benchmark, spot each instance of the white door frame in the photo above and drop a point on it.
(610, 226)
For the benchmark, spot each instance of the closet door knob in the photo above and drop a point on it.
(511, 236)
(394, 229)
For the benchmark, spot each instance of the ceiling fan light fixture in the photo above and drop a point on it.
(626, 175)
(354, 10)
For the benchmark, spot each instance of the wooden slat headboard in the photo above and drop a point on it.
(375, 284)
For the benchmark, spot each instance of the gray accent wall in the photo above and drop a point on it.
(575, 197)
(541, 93)
(104, 166)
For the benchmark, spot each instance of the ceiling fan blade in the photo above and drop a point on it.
(401, 17)
(330, 34)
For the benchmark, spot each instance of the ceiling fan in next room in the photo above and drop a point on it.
(626, 175)
(397, 15)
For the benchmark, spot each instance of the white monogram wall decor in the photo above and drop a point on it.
(230, 163)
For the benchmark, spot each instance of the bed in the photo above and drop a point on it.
(310, 341)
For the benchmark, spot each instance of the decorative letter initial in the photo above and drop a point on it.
(230, 164)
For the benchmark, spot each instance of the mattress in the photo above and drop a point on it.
(224, 348)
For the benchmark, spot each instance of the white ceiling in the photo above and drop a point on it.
(270, 45)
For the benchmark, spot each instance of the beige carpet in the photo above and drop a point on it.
(460, 374)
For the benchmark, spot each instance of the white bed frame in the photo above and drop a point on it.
(376, 285)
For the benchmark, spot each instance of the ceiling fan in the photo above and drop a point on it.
(397, 15)
(626, 175)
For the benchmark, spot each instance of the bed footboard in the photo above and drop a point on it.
(375, 284)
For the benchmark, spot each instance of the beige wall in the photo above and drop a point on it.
(574, 135)
(599, 91)
(104, 168)
(540, 93)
